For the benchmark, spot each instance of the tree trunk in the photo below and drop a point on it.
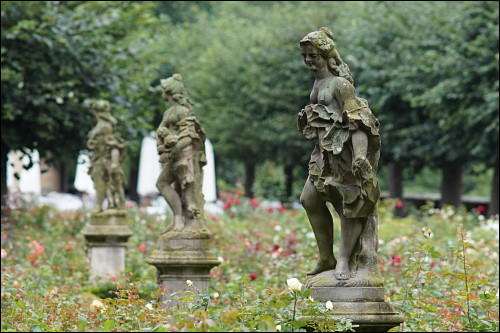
(5, 151)
(63, 176)
(249, 179)
(493, 209)
(451, 184)
(288, 170)
(67, 169)
(396, 180)
(133, 178)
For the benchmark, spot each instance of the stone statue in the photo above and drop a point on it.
(107, 233)
(108, 154)
(183, 250)
(342, 168)
(181, 146)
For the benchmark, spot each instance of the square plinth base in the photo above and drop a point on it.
(106, 261)
(172, 276)
(365, 306)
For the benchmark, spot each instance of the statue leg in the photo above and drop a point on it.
(193, 205)
(100, 188)
(322, 225)
(350, 232)
(120, 192)
(172, 197)
(367, 273)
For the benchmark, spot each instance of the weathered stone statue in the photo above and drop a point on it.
(342, 171)
(183, 249)
(181, 146)
(107, 233)
(108, 152)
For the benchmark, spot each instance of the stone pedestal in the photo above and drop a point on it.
(365, 306)
(182, 256)
(106, 237)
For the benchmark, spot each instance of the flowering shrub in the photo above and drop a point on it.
(440, 268)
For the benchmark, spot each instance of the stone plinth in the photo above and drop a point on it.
(106, 237)
(182, 256)
(365, 306)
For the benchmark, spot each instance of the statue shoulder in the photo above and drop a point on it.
(343, 88)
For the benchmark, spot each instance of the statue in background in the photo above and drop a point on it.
(108, 153)
(181, 146)
(342, 168)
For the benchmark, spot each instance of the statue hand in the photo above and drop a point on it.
(114, 167)
(161, 132)
(170, 140)
(361, 167)
(91, 143)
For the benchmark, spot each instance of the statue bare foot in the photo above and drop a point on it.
(322, 266)
(342, 271)
(176, 225)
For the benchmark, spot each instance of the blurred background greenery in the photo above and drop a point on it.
(428, 69)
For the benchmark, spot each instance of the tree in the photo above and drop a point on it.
(433, 81)
(243, 68)
(454, 78)
(83, 50)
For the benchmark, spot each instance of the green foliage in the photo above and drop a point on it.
(421, 258)
(243, 69)
(83, 50)
(432, 77)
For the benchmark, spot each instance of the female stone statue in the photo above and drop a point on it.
(105, 170)
(181, 146)
(342, 167)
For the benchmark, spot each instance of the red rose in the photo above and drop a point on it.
(252, 276)
(395, 260)
(254, 203)
(480, 209)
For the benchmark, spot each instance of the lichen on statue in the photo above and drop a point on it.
(342, 168)
(181, 147)
(107, 156)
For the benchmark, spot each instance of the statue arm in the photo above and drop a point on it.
(162, 129)
(360, 165)
(183, 142)
(359, 144)
(346, 95)
(115, 159)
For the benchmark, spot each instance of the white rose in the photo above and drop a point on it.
(189, 283)
(278, 328)
(96, 304)
(294, 284)
(329, 305)
(149, 306)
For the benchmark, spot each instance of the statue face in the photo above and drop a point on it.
(313, 59)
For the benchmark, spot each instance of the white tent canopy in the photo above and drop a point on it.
(29, 180)
(83, 182)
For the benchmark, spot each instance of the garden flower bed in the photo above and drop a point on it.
(440, 268)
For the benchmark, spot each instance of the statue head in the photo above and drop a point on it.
(101, 109)
(173, 87)
(322, 41)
